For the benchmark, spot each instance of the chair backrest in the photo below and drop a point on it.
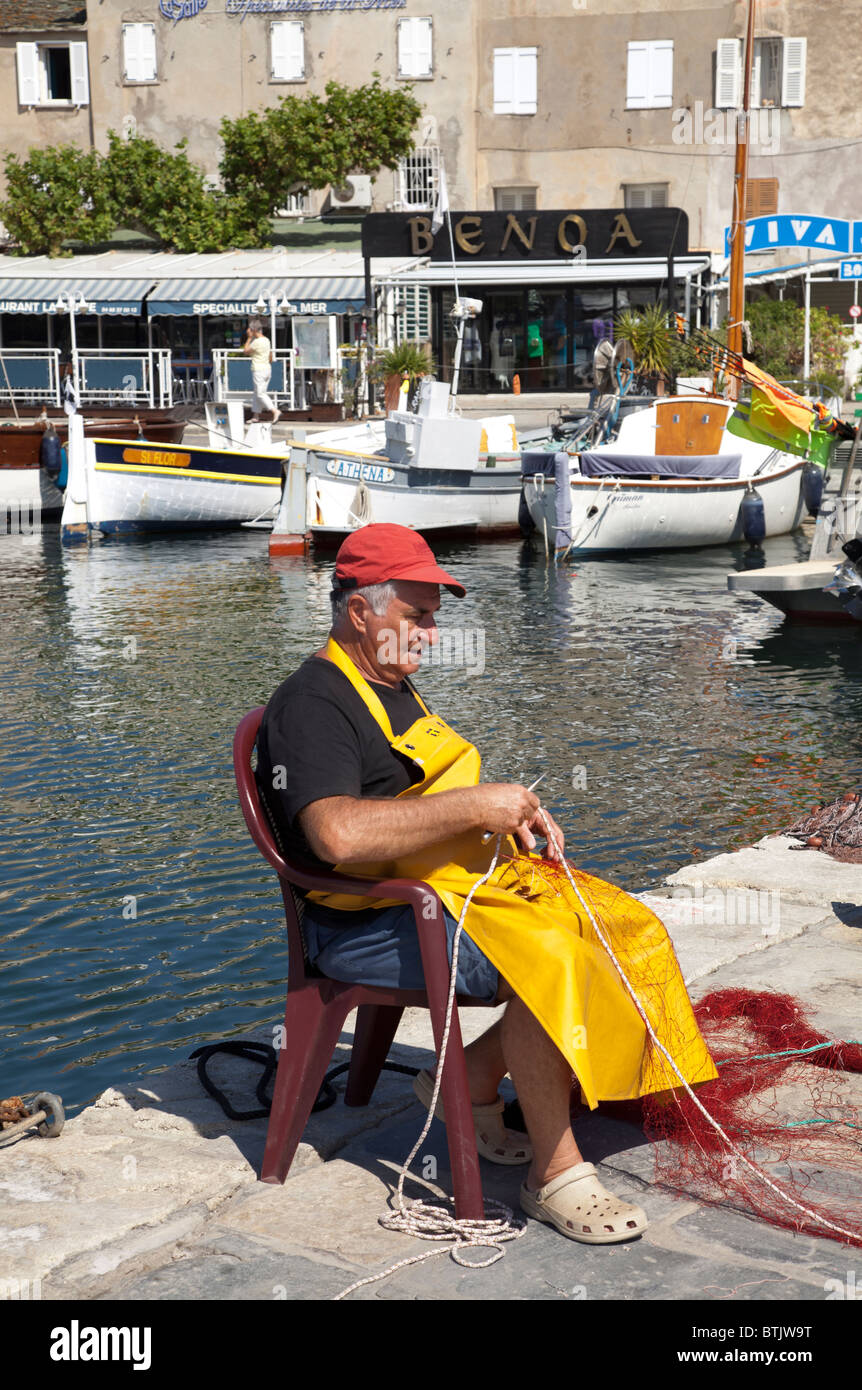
(249, 796)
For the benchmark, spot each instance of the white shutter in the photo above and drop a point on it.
(526, 81)
(754, 98)
(139, 53)
(637, 75)
(636, 196)
(504, 80)
(287, 45)
(80, 80)
(424, 56)
(728, 73)
(415, 57)
(661, 72)
(793, 72)
(28, 74)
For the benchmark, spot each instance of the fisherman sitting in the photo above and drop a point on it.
(358, 773)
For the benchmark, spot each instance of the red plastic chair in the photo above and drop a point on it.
(317, 1007)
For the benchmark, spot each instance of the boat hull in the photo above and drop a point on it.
(643, 514)
(135, 487)
(345, 491)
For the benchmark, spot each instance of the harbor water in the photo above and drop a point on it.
(671, 719)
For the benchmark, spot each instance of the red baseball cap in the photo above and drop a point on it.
(382, 551)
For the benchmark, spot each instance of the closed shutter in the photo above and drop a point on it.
(637, 75)
(755, 98)
(761, 198)
(139, 53)
(415, 47)
(661, 72)
(526, 81)
(287, 47)
(728, 72)
(27, 57)
(793, 72)
(637, 196)
(80, 80)
(504, 80)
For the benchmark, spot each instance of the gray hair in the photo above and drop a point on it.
(377, 596)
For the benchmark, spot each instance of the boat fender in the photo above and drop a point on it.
(63, 475)
(50, 453)
(812, 487)
(753, 516)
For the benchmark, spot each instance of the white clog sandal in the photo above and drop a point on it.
(582, 1209)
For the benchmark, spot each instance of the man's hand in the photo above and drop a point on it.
(506, 808)
(552, 832)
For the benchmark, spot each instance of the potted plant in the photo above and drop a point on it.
(406, 362)
(647, 331)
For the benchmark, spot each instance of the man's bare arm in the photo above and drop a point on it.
(350, 830)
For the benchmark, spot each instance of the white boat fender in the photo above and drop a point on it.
(753, 516)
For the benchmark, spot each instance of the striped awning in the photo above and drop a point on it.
(112, 297)
(238, 297)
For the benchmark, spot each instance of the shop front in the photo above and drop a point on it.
(552, 285)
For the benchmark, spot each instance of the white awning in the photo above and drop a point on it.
(574, 272)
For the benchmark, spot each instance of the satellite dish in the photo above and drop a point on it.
(603, 373)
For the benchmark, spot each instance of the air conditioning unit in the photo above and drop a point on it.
(355, 192)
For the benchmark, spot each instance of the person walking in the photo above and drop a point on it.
(258, 347)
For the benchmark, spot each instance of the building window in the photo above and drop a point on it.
(645, 195)
(761, 198)
(52, 74)
(514, 199)
(419, 178)
(515, 81)
(777, 72)
(287, 50)
(415, 48)
(413, 311)
(649, 81)
(139, 53)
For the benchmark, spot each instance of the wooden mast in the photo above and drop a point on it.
(736, 298)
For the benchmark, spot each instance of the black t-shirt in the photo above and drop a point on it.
(318, 739)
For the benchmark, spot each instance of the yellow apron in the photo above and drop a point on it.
(534, 930)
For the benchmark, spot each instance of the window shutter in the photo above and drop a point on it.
(637, 77)
(754, 95)
(793, 72)
(406, 48)
(728, 73)
(28, 74)
(287, 48)
(424, 57)
(661, 72)
(636, 196)
(761, 198)
(526, 81)
(504, 80)
(139, 52)
(80, 80)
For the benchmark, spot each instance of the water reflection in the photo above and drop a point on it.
(670, 718)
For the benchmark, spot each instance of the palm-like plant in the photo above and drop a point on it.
(647, 331)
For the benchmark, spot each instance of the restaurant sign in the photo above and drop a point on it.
(595, 233)
(115, 308)
(175, 10)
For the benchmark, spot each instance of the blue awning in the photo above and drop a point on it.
(106, 297)
(239, 298)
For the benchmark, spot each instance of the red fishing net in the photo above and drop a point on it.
(788, 1099)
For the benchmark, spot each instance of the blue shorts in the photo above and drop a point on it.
(381, 947)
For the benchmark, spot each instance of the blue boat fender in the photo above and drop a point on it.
(63, 475)
(812, 487)
(753, 516)
(50, 453)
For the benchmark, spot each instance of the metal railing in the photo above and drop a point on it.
(28, 377)
(232, 377)
(125, 376)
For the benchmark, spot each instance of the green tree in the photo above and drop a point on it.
(56, 193)
(309, 142)
(778, 338)
(163, 193)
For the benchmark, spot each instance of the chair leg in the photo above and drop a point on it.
(460, 1128)
(311, 1030)
(376, 1025)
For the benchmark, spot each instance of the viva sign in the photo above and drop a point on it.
(818, 233)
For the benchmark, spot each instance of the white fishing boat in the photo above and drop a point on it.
(827, 587)
(132, 486)
(674, 476)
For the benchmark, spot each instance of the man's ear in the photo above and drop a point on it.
(358, 609)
